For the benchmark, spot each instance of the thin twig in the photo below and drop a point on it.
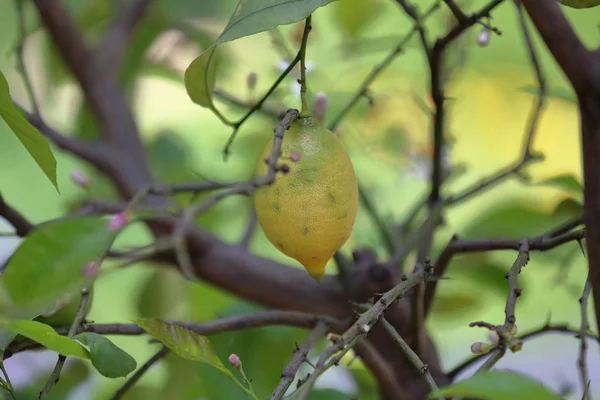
(544, 330)
(456, 246)
(304, 110)
(410, 354)
(251, 226)
(21, 57)
(225, 324)
(362, 89)
(527, 156)
(7, 383)
(417, 236)
(263, 109)
(258, 105)
(437, 92)
(492, 360)
(513, 284)
(584, 327)
(140, 372)
(79, 318)
(299, 357)
(382, 226)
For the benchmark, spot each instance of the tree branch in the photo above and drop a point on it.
(16, 219)
(106, 101)
(225, 324)
(116, 38)
(456, 246)
(437, 92)
(582, 67)
(563, 43)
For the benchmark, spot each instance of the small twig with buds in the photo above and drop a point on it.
(236, 363)
(507, 331)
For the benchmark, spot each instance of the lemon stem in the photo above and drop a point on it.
(304, 111)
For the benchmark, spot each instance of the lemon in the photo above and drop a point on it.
(308, 212)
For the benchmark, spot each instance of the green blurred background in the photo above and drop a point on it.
(389, 145)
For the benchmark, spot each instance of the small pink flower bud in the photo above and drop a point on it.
(251, 80)
(295, 156)
(484, 37)
(79, 178)
(117, 221)
(480, 348)
(320, 106)
(90, 270)
(235, 361)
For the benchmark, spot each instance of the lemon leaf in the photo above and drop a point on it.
(580, 3)
(200, 78)
(33, 141)
(254, 16)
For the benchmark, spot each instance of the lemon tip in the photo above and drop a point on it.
(317, 276)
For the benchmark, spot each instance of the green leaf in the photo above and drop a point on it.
(47, 265)
(565, 182)
(557, 92)
(183, 342)
(35, 143)
(107, 358)
(498, 385)
(47, 337)
(568, 208)
(200, 78)
(580, 3)
(511, 220)
(354, 15)
(254, 16)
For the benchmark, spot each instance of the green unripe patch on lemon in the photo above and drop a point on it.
(308, 213)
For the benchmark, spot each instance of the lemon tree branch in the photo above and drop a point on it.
(224, 324)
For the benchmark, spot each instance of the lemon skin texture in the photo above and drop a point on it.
(308, 213)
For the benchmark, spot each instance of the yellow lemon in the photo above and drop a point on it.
(308, 213)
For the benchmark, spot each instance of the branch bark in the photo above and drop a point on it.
(582, 68)
(16, 219)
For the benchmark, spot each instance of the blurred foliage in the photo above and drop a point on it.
(387, 133)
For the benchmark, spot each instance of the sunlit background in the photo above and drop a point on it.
(492, 90)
